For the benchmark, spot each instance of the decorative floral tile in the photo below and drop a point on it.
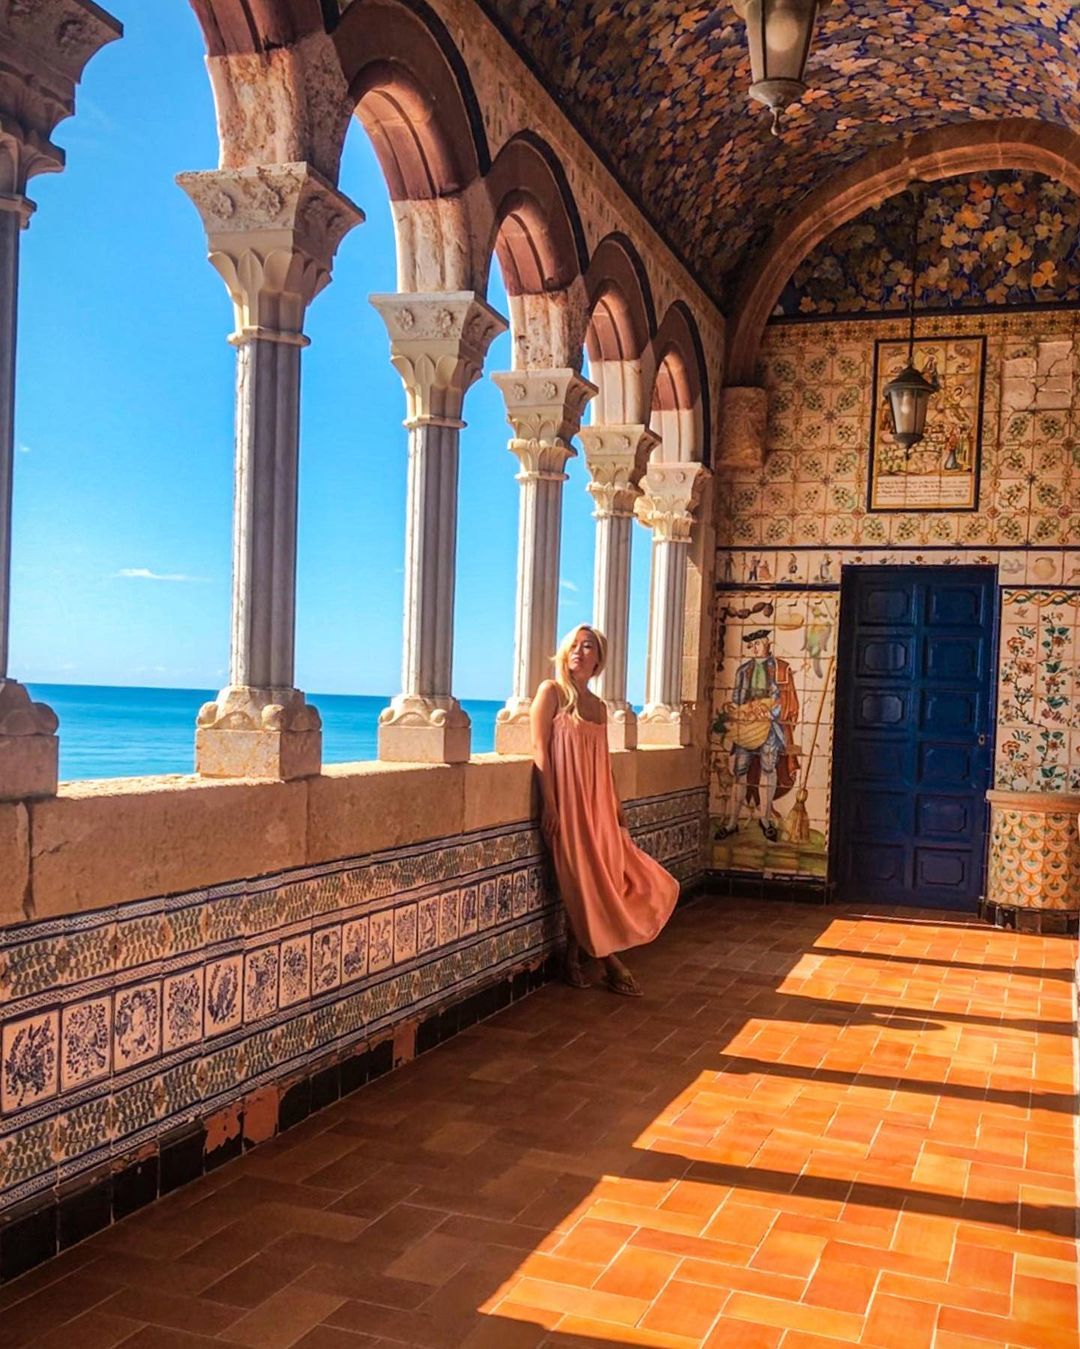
(427, 924)
(86, 1042)
(326, 958)
(29, 1071)
(260, 983)
(404, 933)
(137, 1025)
(448, 918)
(224, 1006)
(183, 998)
(354, 950)
(520, 903)
(470, 897)
(295, 970)
(381, 941)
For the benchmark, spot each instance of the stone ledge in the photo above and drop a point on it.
(106, 842)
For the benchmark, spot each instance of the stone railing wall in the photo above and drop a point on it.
(207, 963)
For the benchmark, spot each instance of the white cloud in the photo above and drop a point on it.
(24, 449)
(567, 585)
(145, 574)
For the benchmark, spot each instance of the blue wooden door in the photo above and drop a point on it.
(912, 753)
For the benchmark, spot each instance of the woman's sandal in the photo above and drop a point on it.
(575, 976)
(624, 984)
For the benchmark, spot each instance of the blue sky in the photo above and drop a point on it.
(123, 491)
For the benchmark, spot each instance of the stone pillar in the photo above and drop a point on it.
(544, 407)
(45, 48)
(272, 233)
(616, 457)
(670, 493)
(744, 419)
(437, 345)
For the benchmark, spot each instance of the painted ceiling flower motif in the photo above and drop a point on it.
(1023, 249)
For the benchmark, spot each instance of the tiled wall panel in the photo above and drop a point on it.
(788, 529)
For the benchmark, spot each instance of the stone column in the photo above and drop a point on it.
(45, 48)
(437, 345)
(616, 457)
(670, 493)
(272, 231)
(544, 407)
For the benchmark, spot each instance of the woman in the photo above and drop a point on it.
(615, 895)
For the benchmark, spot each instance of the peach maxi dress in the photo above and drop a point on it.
(616, 896)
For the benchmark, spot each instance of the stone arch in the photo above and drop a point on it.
(233, 27)
(679, 389)
(535, 233)
(621, 321)
(411, 91)
(413, 94)
(946, 152)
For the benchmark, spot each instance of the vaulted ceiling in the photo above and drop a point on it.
(665, 103)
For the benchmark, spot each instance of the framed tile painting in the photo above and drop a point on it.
(942, 471)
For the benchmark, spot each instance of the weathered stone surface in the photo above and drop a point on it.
(28, 766)
(498, 791)
(281, 755)
(14, 862)
(101, 843)
(360, 808)
(657, 770)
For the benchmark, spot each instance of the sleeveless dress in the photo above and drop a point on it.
(616, 896)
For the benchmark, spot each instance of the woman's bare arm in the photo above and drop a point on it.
(541, 718)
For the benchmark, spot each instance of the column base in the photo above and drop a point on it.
(414, 729)
(665, 726)
(622, 728)
(258, 733)
(1034, 861)
(513, 731)
(29, 749)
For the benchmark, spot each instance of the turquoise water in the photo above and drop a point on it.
(120, 732)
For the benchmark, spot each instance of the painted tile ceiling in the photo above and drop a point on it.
(669, 111)
(987, 240)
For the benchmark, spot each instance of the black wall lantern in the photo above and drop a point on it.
(908, 395)
(780, 33)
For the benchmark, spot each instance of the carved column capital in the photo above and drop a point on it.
(46, 44)
(272, 232)
(616, 457)
(545, 408)
(438, 342)
(669, 497)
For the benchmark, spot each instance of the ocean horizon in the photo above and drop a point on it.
(112, 731)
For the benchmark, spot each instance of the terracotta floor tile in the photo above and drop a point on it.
(638, 1272)
(813, 1114)
(794, 1316)
(586, 1332)
(282, 1319)
(687, 1309)
(578, 1301)
(845, 1288)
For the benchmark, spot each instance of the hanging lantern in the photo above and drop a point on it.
(780, 33)
(908, 398)
(907, 395)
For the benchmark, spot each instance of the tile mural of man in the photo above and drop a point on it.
(761, 720)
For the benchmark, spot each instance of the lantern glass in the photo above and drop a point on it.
(908, 399)
(780, 33)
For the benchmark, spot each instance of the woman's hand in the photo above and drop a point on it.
(549, 823)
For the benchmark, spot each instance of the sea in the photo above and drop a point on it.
(110, 732)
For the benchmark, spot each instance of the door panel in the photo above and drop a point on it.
(912, 748)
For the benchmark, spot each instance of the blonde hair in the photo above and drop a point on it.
(567, 687)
